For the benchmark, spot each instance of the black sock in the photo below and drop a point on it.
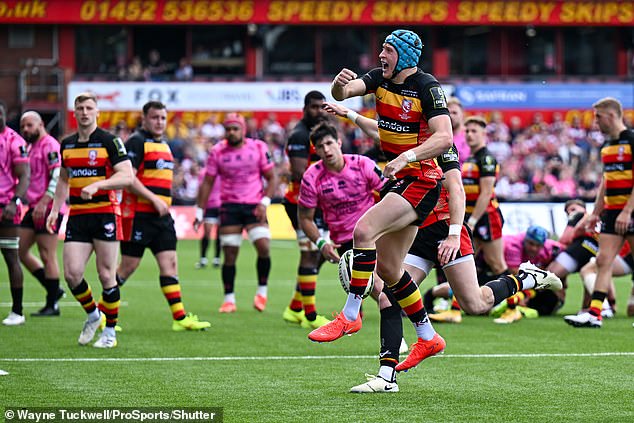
(428, 300)
(16, 296)
(204, 245)
(263, 268)
(503, 287)
(52, 290)
(391, 335)
(228, 278)
(40, 276)
(120, 280)
(218, 248)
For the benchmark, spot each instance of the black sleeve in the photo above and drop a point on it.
(449, 160)
(433, 100)
(62, 147)
(298, 145)
(575, 218)
(488, 165)
(136, 150)
(372, 80)
(117, 152)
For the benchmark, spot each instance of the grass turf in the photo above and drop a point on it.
(260, 369)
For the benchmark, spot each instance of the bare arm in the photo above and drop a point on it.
(201, 199)
(486, 192)
(370, 127)
(23, 172)
(346, 85)
(272, 182)
(138, 189)
(121, 178)
(61, 193)
(591, 224)
(306, 217)
(439, 142)
(298, 167)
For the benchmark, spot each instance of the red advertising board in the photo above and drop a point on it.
(327, 12)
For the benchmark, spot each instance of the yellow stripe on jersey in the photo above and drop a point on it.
(615, 149)
(83, 152)
(396, 100)
(618, 176)
(157, 173)
(83, 181)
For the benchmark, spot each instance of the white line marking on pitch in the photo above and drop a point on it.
(309, 357)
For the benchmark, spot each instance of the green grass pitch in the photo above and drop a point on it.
(260, 369)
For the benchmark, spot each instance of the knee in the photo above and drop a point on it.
(474, 307)
(363, 232)
(106, 276)
(603, 260)
(72, 277)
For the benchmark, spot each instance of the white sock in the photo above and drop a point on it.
(109, 332)
(589, 280)
(262, 290)
(424, 329)
(352, 307)
(387, 373)
(94, 315)
(230, 298)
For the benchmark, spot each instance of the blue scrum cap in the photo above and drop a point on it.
(537, 234)
(408, 46)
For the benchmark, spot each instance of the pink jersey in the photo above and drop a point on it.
(12, 152)
(44, 156)
(514, 251)
(460, 141)
(213, 202)
(343, 197)
(241, 170)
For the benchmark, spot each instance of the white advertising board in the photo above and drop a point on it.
(193, 96)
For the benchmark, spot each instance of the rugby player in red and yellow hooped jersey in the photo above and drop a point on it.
(146, 210)
(614, 204)
(414, 128)
(95, 163)
(482, 213)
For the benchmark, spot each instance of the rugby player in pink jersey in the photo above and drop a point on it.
(45, 162)
(14, 166)
(342, 186)
(242, 163)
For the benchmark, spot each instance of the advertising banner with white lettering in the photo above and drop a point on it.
(546, 96)
(221, 96)
(324, 12)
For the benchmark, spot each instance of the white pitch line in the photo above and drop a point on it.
(61, 303)
(307, 357)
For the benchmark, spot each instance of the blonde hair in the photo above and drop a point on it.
(478, 120)
(85, 96)
(610, 103)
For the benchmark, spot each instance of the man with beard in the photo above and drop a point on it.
(45, 162)
(301, 154)
(242, 163)
(14, 166)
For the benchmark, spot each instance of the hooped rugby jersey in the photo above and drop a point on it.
(616, 156)
(89, 162)
(403, 112)
(154, 163)
(447, 161)
(481, 164)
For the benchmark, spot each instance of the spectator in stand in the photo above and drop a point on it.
(156, 68)
(587, 183)
(211, 129)
(253, 131)
(136, 72)
(497, 130)
(579, 134)
(184, 72)
(516, 128)
(558, 125)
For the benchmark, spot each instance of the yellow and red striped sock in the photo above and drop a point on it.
(307, 284)
(83, 294)
(172, 291)
(363, 263)
(109, 304)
